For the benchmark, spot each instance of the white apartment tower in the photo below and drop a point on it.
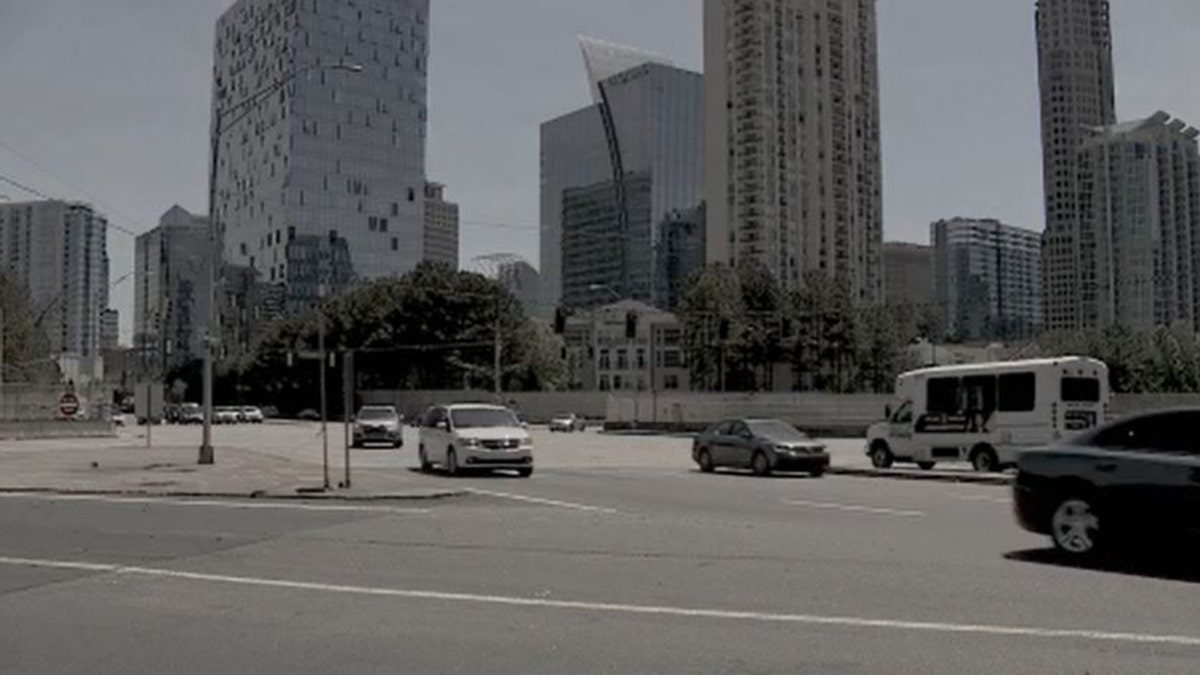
(59, 251)
(793, 174)
(321, 183)
(1075, 78)
(441, 226)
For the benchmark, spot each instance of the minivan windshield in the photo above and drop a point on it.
(482, 418)
(376, 414)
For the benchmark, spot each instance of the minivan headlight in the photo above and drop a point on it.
(527, 442)
(471, 442)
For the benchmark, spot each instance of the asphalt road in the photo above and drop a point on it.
(590, 567)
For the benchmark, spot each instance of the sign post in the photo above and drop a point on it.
(68, 405)
(148, 405)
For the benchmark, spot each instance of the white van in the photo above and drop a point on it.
(987, 413)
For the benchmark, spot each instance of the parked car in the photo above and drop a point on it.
(251, 415)
(567, 423)
(190, 413)
(761, 445)
(378, 424)
(309, 415)
(471, 436)
(225, 414)
(1137, 478)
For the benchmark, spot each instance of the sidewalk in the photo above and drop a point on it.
(119, 467)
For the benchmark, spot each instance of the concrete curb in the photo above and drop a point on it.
(926, 476)
(430, 495)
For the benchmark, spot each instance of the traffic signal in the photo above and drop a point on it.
(631, 320)
(724, 329)
(560, 321)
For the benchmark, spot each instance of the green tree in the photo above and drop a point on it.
(711, 302)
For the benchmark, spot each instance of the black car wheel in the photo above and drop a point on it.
(984, 459)
(1075, 527)
(705, 460)
(761, 464)
(881, 456)
(818, 472)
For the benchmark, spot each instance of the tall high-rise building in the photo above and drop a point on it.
(441, 227)
(523, 281)
(615, 172)
(987, 279)
(1140, 201)
(334, 161)
(1075, 78)
(110, 330)
(170, 308)
(59, 251)
(792, 147)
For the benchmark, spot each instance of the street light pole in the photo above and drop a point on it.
(215, 255)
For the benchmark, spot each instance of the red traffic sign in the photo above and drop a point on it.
(68, 405)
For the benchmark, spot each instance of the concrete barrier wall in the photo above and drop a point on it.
(538, 407)
(55, 429)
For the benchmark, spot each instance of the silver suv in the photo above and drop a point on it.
(475, 437)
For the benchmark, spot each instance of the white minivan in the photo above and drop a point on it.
(463, 437)
(987, 413)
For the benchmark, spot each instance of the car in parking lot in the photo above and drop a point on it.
(567, 423)
(378, 424)
(462, 437)
(251, 415)
(190, 413)
(225, 414)
(761, 445)
(1135, 480)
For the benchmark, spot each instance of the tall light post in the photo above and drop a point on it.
(224, 119)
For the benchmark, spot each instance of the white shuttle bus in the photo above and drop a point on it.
(987, 413)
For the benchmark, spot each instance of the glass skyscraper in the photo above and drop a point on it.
(614, 173)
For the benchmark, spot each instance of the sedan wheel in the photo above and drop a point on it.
(760, 464)
(426, 467)
(705, 460)
(1075, 527)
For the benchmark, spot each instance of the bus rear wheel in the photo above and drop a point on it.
(984, 459)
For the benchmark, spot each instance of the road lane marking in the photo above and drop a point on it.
(213, 503)
(982, 498)
(854, 508)
(619, 608)
(542, 502)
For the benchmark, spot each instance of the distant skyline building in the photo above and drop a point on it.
(987, 279)
(1077, 91)
(333, 163)
(1140, 199)
(110, 330)
(908, 274)
(441, 233)
(59, 251)
(793, 169)
(171, 289)
(523, 281)
(615, 173)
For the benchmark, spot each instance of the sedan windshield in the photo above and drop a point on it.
(377, 414)
(776, 430)
(481, 418)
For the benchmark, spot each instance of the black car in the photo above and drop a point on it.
(760, 445)
(1137, 478)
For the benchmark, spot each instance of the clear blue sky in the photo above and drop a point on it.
(111, 96)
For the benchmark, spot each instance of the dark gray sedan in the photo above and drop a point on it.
(763, 446)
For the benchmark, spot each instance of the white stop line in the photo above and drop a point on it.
(617, 608)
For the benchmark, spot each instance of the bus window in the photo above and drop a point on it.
(941, 395)
(1080, 390)
(1018, 392)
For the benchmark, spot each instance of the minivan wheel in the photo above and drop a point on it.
(984, 459)
(1075, 527)
(452, 462)
(761, 465)
(705, 460)
(881, 456)
(426, 467)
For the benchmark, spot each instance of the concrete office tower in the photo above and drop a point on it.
(1075, 78)
(110, 330)
(170, 308)
(1140, 200)
(321, 183)
(792, 146)
(612, 175)
(908, 274)
(987, 279)
(441, 227)
(59, 251)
